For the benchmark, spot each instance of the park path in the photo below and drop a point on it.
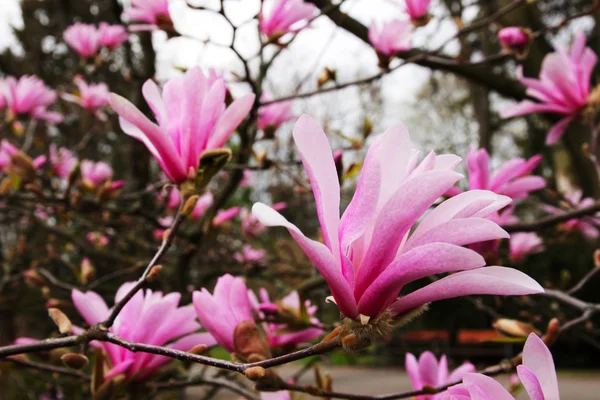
(362, 380)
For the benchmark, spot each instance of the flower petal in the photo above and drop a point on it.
(538, 359)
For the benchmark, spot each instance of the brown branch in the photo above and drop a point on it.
(48, 368)
(552, 220)
(242, 391)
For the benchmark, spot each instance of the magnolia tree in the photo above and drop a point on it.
(131, 234)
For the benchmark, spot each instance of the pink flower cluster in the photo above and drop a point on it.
(391, 37)
(372, 251)
(95, 174)
(8, 151)
(91, 97)
(86, 40)
(149, 317)
(28, 96)
(285, 16)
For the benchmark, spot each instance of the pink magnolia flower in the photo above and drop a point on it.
(490, 249)
(563, 87)
(95, 173)
(250, 255)
(29, 95)
(372, 251)
(111, 36)
(191, 115)
(286, 16)
(391, 37)
(512, 179)
(272, 116)
(281, 334)
(513, 37)
(92, 97)
(537, 374)
(417, 9)
(225, 215)
(83, 38)
(427, 371)
(149, 317)
(523, 244)
(223, 311)
(153, 13)
(62, 161)
(98, 239)
(588, 226)
(8, 151)
(251, 226)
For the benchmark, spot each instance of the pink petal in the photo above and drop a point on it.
(487, 280)
(529, 107)
(531, 383)
(487, 385)
(558, 129)
(519, 188)
(90, 305)
(460, 372)
(229, 121)
(538, 359)
(155, 102)
(319, 255)
(412, 369)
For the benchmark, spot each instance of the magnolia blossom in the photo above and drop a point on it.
(588, 226)
(417, 9)
(391, 37)
(111, 36)
(221, 312)
(62, 161)
(250, 255)
(427, 371)
(523, 244)
(289, 308)
(191, 115)
(512, 179)
(537, 374)
(563, 86)
(98, 239)
(83, 38)
(29, 95)
(153, 13)
(272, 116)
(92, 97)
(95, 174)
(373, 251)
(225, 215)
(149, 317)
(285, 16)
(251, 226)
(8, 151)
(513, 37)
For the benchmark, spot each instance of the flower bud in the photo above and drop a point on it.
(198, 349)
(512, 327)
(74, 360)
(153, 274)
(61, 320)
(255, 373)
(87, 271)
(515, 40)
(189, 205)
(325, 76)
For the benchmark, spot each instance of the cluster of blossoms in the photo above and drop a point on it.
(86, 39)
(149, 15)
(29, 96)
(91, 97)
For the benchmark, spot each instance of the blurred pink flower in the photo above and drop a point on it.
(512, 179)
(8, 151)
(513, 37)
(250, 255)
(523, 244)
(286, 16)
(225, 215)
(165, 222)
(563, 87)
(247, 181)
(391, 37)
(191, 115)
(281, 334)
(272, 116)
(417, 9)
(98, 239)
(588, 226)
(112, 36)
(537, 374)
(29, 95)
(92, 97)
(427, 371)
(151, 12)
(251, 226)
(95, 173)
(149, 317)
(83, 39)
(223, 311)
(62, 161)
(372, 252)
